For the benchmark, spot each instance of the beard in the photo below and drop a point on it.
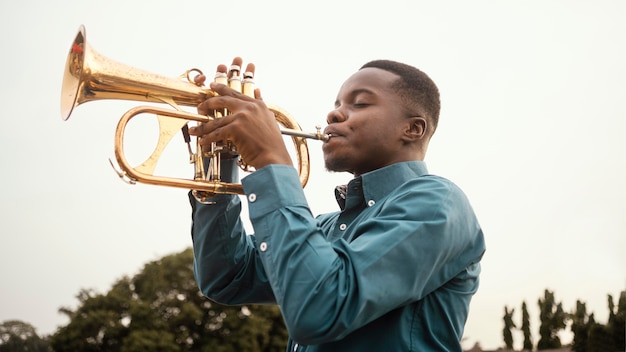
(337, 164)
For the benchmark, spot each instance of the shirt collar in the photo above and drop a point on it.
(378, 183)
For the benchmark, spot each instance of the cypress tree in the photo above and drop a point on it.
(507, 335)
(528, 341)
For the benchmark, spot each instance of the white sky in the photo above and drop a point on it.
(532, 128)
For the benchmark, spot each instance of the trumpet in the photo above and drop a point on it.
(90, 76)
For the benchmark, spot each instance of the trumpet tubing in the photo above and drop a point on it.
(90, 76)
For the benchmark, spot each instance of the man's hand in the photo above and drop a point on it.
(248, 124)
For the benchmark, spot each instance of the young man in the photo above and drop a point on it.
(393, 270)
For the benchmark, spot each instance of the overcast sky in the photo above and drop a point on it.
(532, 128)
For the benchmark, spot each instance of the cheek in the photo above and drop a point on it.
(371, 135)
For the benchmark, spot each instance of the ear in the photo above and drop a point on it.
(415, 129)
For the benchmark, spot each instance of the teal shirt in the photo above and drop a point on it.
(394, 270)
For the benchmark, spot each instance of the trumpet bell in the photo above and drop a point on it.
(72, 75)
(90, 76)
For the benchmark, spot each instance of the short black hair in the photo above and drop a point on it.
(415, 87)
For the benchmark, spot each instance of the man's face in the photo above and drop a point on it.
(366, 125)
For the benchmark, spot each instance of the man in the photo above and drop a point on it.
(394, 270)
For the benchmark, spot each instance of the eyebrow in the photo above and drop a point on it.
(356, 92)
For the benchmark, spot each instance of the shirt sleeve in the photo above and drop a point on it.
(226, 263)
(401, 252)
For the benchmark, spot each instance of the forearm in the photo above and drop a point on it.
(226, 266)
(300, 263)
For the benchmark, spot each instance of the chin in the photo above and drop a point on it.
(336, 165)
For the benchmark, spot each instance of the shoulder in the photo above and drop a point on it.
(429, 186)
(429, 196)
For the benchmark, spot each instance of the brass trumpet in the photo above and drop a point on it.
(89, 76)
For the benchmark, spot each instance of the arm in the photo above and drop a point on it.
(407, 248)
(227, 265)
(226, 262)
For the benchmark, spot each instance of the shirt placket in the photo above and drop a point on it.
(354, 204)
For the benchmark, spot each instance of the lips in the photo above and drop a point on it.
(332, 133)
(334, 140)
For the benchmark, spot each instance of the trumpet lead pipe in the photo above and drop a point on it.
(296, 133)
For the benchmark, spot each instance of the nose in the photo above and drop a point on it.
(335, 116)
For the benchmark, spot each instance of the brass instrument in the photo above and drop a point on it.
(89, 76)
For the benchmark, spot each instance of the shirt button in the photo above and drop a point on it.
(251, 197)
(263, 246)
(295, 347)
(342, 227)
(370, 202)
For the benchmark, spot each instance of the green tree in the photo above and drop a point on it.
(16, 335)
(507, 335)
(616, 325)
(590, 336)
(580, 327)
(161, 309)
(528, 341)
(552, 320)
(599, 338)
(619, 324)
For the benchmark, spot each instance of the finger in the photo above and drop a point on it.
(225, 91)
(257, 94)
(220, 74)
(221, 68)
(197, 130)
(206, 127)
(235, 67)
(216, 131)
(199, 79)
(247, 84)
(250, 68)
(226, 98)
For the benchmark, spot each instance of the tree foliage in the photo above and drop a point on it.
(161, 309)
(617, 321)
(16, 335)
(580, 327)
(590, 336)
(528, 341)
(552, 319)
(507, 334)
